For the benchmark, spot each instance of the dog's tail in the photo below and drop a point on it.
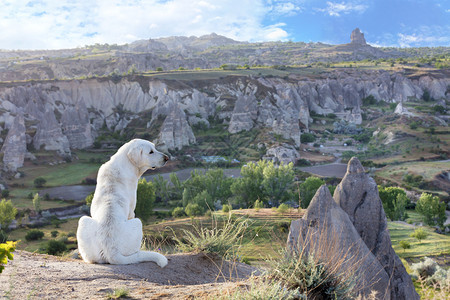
(140, 256)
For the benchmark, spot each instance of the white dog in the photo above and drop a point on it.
(113, 235)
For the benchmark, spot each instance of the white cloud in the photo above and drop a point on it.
(337, 9)
(425, 35)
(285, 9)
(29, 24)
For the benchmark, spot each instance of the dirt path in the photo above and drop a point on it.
(36, 276)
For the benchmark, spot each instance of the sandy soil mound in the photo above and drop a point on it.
(36, 276)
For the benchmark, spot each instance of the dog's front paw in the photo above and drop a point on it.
(162, 261)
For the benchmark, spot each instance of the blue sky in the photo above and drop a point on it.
(40, 24)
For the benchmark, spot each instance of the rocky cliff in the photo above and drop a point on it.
(65, 115)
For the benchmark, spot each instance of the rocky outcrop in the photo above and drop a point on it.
(283, 153)
(327, 232)
(175, 131)
(244, 114)
(357, 37)
(49, 135)
(76, 126)
(14, 148)
(357, 195)
(402, 111)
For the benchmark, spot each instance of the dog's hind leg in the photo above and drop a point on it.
(87, 243)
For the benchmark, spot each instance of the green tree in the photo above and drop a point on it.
(405, 245)
(283, 208)
(258, 205)
(178, 212)
(308, 189)
(37, 202)
(432, 209)
(213, 185)
(7, 213)
(307, 138)
(177, 187)
(89, 198)
(277, 181)
(248, 188)
(419, 234)
(39, 182)
(193, 209)
(145, 197)
(161, 189)
(394, 202)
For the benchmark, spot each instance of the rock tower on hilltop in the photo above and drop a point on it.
(357, 37)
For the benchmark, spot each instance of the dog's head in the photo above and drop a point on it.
(144, 155)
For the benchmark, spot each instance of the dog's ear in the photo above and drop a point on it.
(134, 155)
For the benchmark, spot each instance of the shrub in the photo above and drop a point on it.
(425, 268)
(307, 138)
(54, 233)
(6, 252)
(39, 182)
(223, 241)
(283, 208)
(369, 100)
(303, 162)
(178, 212)
(193, 209)
(118, 293)
(5, 193)
(258, 205)
(34, 235)
(226, 208)
(54, 247)
(405, 245)
(308, 275)
(419, 234)
(89, 198)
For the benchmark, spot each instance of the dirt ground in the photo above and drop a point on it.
(187, 276)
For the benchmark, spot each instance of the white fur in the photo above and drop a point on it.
(112, 234)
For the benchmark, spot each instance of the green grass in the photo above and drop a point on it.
(434, 245)
(32, 246)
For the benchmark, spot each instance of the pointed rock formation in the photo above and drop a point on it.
(357, 37)
(357, 195)
(327, 231)
(14, 148)
(76, 126)
(50, 136)
(175, 130)
(244, 114)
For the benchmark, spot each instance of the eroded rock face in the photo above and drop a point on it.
(80, 108)
(175, 131)
(357, 195)
(282, 153)
(357, 37)
(76, 126)
(327, 231)
(14, 148)
(49, 135)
